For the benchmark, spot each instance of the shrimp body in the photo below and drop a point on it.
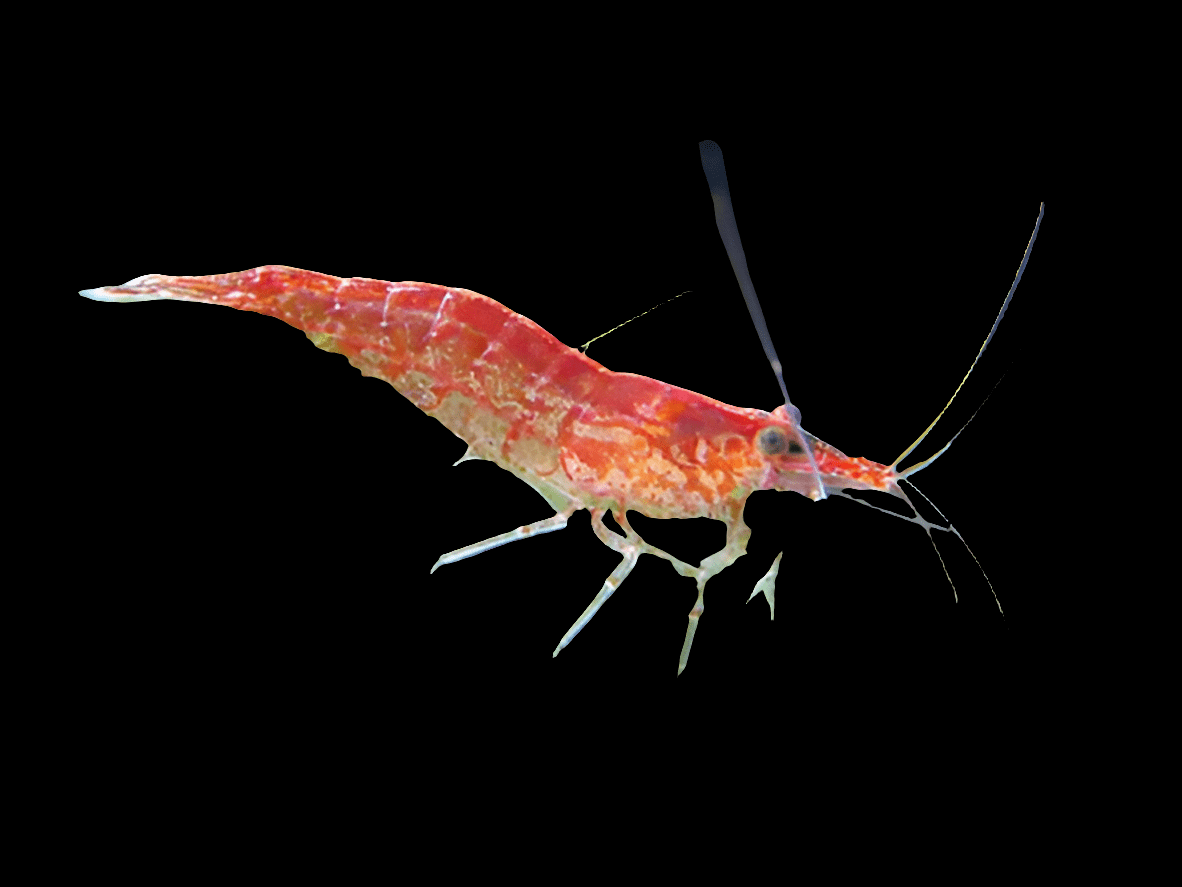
(580, 434)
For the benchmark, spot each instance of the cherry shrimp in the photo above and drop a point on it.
(580, 435)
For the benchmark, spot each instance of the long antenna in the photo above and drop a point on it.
(724, 216)
(1004, 305)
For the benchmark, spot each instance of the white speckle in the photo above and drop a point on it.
(391, 289)
(336, 306)
(438, 314)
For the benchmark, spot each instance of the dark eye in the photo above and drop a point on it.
(773, 442)
(795, 448)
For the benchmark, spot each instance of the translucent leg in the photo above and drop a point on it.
(610, 584)
(692, 629)
(548, 525)
(737, 534)
(631, 546)
(768, 585)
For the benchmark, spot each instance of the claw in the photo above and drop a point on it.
(768, 585)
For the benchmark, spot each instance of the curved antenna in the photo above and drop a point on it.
(919, 466)
(1004, 305)
(724, 217)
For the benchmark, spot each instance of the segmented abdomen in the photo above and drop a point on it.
(515, 394)
(495, 378)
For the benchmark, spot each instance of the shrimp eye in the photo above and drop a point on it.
(794, 448)
(773, 442)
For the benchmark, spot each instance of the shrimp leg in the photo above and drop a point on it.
(737, 535)
(768, 583)
(546, 525)
(631, 546)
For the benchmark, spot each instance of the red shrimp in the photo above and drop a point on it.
(580, 435)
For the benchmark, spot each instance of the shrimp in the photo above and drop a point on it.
(580, 435)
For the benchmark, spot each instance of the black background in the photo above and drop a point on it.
(270, 516)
